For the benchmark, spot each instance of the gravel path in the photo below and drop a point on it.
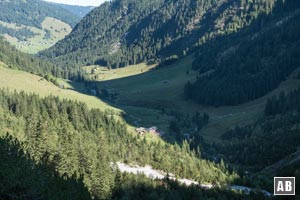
(151, 173)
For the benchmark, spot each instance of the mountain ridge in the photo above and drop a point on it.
(144, 31)
(34, 25)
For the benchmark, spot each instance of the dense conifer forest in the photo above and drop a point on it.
(15, 59)
(240, 50)
(79, 143)
(270, 139)
(21, 34)
(249, 64)
(33, 12)
(22, 178)
(141, 31)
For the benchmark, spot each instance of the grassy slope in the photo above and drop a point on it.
(141, 91)
(139, 94)
(23, 81)
(104, 74)
(57, 28)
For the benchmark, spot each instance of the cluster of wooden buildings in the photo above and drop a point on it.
(151, 130)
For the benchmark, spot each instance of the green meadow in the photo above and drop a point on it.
(57, 29)
(146, 95)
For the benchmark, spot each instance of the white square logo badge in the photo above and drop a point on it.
(284, 186)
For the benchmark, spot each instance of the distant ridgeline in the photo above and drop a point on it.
(15, 59)
(34, 25)
(246, 65)
(79, 11)
(33, 12)
(121, 33)
(75, 142)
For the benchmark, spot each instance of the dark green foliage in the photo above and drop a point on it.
(270, 139)
(283, 103)
(292, 170)
(33, 12)
(168, 61)
(21, 178)
(244, 66)
(187, 127)
(21, 34)
(22, 61)
(47, 34)
(77, 142)
(121, 33)
(238, 133)
(134, 187)
(298, 76)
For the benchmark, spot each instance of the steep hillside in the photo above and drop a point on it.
(22, 61)
(81, 144)
(271, 138)
(244, 66)
(21, 178)
(33, 25)
(121, 33)
(23, 81)
(15, 59)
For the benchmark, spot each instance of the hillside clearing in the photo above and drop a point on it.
(145, 94)
(22, 81)
(57, 29)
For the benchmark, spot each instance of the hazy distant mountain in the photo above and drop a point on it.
(33, 12)
(79, 11)
(33, 25)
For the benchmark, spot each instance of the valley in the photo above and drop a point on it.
(139, 88)
(137, 99)
(143, 92)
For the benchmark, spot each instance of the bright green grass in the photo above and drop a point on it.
(147, 87)
(57, 28)
(104, 74)
(23, 81)
(16, 80)
(142, 93)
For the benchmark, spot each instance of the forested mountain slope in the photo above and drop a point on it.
(15, 59)
(33, 12)
(80, 143)
(244, 66)
(22, 178)
(121, 33)
(32, 25)
(272, 138)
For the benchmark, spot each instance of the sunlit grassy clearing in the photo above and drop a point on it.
(57, 28)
